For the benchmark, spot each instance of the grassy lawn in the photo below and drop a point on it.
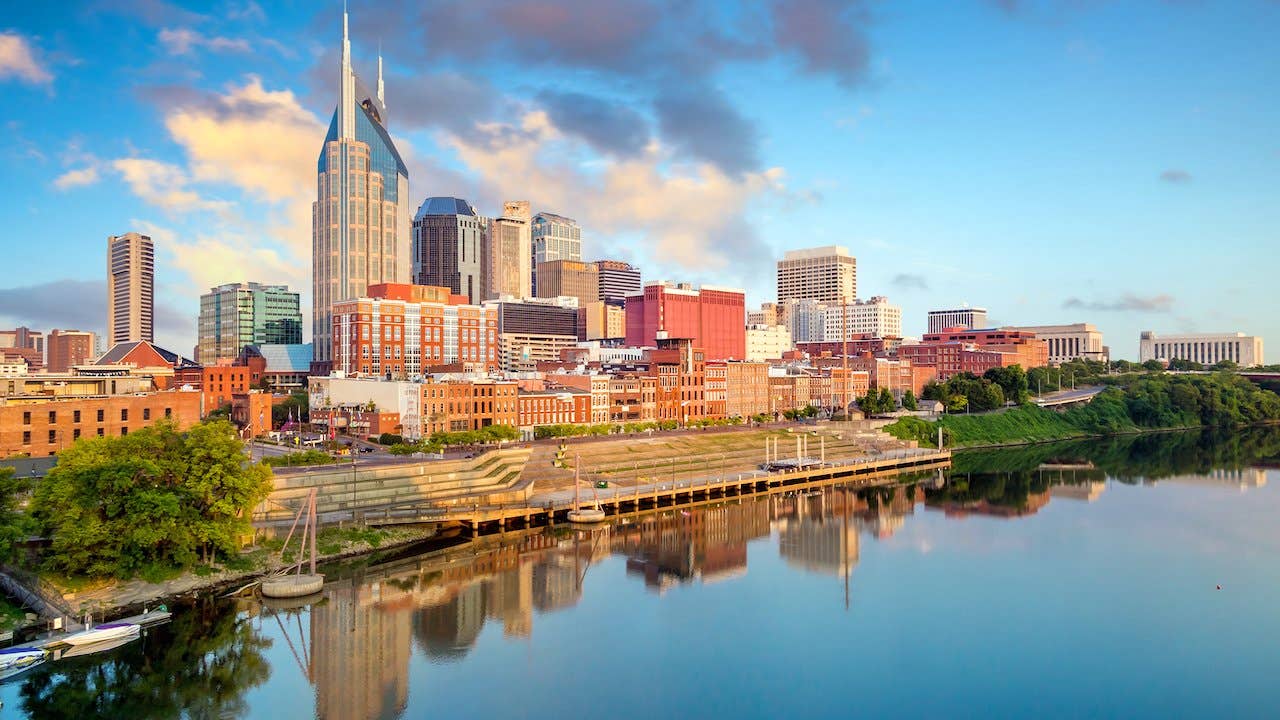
(10, 614)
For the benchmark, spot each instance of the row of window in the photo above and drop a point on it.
(75, 415)
(75, 435)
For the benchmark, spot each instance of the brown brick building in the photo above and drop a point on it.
(41, 427)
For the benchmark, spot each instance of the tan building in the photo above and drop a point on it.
(1080, 341)
(603, 321)
(767, 342)
(43, 426)
(826, 274)
(746, 389)
(569, 278)
(68, 348)
(360, 223)
(510, 255)
(131, 269)
(521, 352)
(1205, 348)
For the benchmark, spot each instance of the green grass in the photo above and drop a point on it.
(304, 458)
(10, 614)
(332, 540)
(1027, 423)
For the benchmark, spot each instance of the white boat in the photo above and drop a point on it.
(96, 647)
(16, 660)
(99, 633)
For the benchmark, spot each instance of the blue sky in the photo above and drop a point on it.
(1055, 161)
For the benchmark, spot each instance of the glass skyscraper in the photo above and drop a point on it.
(450, 243)
(360, 220)
(554, 238)
(239, 314)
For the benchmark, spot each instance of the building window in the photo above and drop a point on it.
(101, 416)
(75, 416)
(75, 434)
(124, 415)
(26, 418)
(146, 413)
(26, 437)
(168, 412)
(100, 432)
(53, 436)
(124, 431)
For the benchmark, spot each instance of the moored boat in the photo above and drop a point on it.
(99, 633)
(16, 660)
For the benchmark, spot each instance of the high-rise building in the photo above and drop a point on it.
(360, 220)
(617, 280)
(23, 346)
(967, 318)
(876, 317)
(131, 270)
(239, 314)
(68, 348)
(569, 278)
(713, 318)
(826, 274)
(1205, 348)
(529, 333)
(554, 238)
(510, 268)
(450, 243)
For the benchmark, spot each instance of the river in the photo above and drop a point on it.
(1068, 580)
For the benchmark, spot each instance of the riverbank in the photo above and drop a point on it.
(110, 598)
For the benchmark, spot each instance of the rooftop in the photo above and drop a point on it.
(445, 206)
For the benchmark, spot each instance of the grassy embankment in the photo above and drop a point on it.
(10, 614)
(1159, 402)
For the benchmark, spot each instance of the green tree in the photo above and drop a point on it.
(295, 406)
(1153, 366)
(15, 526)
(156, 496)
(1012, 381)
(909, 400)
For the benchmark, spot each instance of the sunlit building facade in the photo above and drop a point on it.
(554, 238)
(450, 241)
(510, 267)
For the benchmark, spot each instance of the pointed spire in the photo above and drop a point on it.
(346, 91)
(381, 100)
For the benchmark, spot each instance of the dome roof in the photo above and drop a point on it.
(445, 206)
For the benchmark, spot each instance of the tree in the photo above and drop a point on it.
(113, 505)
(909, 400)
(1012, 381)
(1153, 366)
(15, 526)
(294, 406)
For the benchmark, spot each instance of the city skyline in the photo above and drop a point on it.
(1080, 153)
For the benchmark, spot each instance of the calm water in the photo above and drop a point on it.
(1071, 580)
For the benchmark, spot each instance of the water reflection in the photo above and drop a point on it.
(357, 646)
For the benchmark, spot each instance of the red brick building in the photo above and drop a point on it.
(712, 318)
(68, 348)
(40, 427)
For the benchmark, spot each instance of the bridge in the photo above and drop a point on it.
(1069, 397)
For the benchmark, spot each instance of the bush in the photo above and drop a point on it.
(389, 439)
(300, 459)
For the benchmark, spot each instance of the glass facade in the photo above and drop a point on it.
(239, 314)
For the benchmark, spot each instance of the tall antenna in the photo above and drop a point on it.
(381, 100)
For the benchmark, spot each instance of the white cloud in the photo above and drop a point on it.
(76, 178)
(163, 185)
(18, 60)
(182, 41)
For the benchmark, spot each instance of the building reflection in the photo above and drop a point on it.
(1240, 478)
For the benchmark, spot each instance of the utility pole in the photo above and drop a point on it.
(844, 335)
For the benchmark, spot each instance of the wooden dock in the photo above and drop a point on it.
(550, 508)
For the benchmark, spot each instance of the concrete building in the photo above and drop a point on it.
(24, 346)
(767, 342)
(713, 318)
(450, 247)
(1080, 341)
(876, 317)
(510, 270)
(68, 348)
(554, 238)
(131, 270)
(826, 274)
(246, 313)
(804, 319)
(360, 219)
(967, 318)
(529, 333)
(617, 280)
(568, 278)
(768, 314)
(405, 331)
(1205, 348)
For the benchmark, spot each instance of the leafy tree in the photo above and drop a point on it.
(15, 526)
(116, 504)
(1012, 381)
(909, 400)
(1153, 366)
(295, 406)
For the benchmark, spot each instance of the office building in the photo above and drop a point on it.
(712, 318)
(768, 314)
(554, 238)
(530, 333)
(405, 331)
(767, 342)
(360, 220)
(1079, 341)
(967, 318)
(246, 313)
(826, 274)
(1204, 348)
(131, 270)
(803, 319)
(601, 320)
(877, 318)
(510, 269)
(450, 241)
(568, 278)
(68, 348)
(23, 346)
(617, 280)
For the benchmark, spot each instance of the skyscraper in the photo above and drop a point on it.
(131, 270)
(68, 348)
(449, 245)
(572, 278)
(826, 274)
(617, 280)
(510, 268)
(360, 220)
(554, 238)
(239, 314)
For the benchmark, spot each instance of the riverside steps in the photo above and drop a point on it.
(549, 508)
